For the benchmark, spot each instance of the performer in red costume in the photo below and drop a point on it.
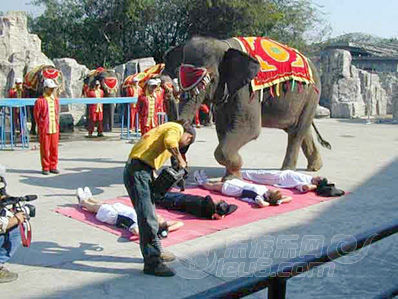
(46, 113)
(205, 109)
(134, 91)
(147, 107)
(16, 92)
(95, 111)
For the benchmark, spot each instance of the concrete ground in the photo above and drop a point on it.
(69, 259)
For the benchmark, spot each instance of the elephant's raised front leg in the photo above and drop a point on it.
(311, 152)
(236, 125)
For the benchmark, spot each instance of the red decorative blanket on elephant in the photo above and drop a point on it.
(144, 76)
(279, 63)
(32, 77)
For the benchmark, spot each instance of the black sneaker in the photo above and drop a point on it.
(7, 276)
(45, 172)
(100, 135)
(159, 270)
(56, 171)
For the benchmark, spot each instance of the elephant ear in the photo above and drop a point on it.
(173, 59)
(237, 69)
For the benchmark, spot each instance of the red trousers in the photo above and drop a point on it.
(133, 116)
(202, 108)
(145, 129)
(95, 117)
(49, 151)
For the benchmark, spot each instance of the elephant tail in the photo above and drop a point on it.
(322, 141)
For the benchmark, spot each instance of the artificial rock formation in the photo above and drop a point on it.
(347, 91)
(74, 75)
(20, 51)
(133, 66)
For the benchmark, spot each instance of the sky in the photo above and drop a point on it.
(375, 17)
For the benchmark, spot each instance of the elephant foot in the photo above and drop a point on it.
(231, 175)
(288, 167)
(314, 166)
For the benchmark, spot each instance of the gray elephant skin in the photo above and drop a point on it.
(239, 113)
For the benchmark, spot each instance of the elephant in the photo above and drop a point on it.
(222, 71)
(33, 85)
(110, 86)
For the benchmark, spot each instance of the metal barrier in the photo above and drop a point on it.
(22, 103)
(276, 281)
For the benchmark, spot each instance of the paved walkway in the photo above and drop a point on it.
(70, 259)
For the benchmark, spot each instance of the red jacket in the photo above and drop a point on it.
(41, 114)
(143, 110)
(91, 94)
(13, 93)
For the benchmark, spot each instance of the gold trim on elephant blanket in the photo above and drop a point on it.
(279, 63)
(144, 76)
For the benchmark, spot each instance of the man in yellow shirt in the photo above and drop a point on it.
(148, 155)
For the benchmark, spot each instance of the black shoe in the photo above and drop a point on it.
(7, 276)
(56, 171)
(159, 270)
(45, 172)
(100, 135)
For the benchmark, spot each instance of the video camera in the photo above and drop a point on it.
(168, 178)
(18, 205)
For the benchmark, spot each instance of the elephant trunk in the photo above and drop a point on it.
(192, 105)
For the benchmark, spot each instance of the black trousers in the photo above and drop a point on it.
(138, 179)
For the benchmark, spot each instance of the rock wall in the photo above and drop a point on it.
(389, 81)
(133, 66)
(20, 51)
(350, 92)
(74, 75)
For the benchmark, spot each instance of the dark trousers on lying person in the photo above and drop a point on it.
(138, 179)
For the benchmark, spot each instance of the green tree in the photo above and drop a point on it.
(110, 32)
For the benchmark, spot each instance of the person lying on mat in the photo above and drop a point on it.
(292, 179)
(199, 206)
(283, 179)
(120, 215)
(249, 192)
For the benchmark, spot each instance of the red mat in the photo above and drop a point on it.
(194, 227)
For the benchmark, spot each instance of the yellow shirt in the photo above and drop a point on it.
(153, 147)
(99, 105)
(52, 125)
(151, 110)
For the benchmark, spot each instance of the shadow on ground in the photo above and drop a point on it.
(51, 254)
(336, 217)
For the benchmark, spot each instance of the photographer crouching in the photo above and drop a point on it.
(148, 155)
(14, 227)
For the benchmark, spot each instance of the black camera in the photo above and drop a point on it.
(17, 202)
(168, 178)
(18, 205)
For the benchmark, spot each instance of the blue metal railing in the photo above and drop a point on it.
(6, 111)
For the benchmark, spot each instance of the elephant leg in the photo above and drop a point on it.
(311, 152)
(235, 126)
(294, 142)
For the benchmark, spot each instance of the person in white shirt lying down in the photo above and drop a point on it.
(119, 214)
(249, 192)
(283, 179)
